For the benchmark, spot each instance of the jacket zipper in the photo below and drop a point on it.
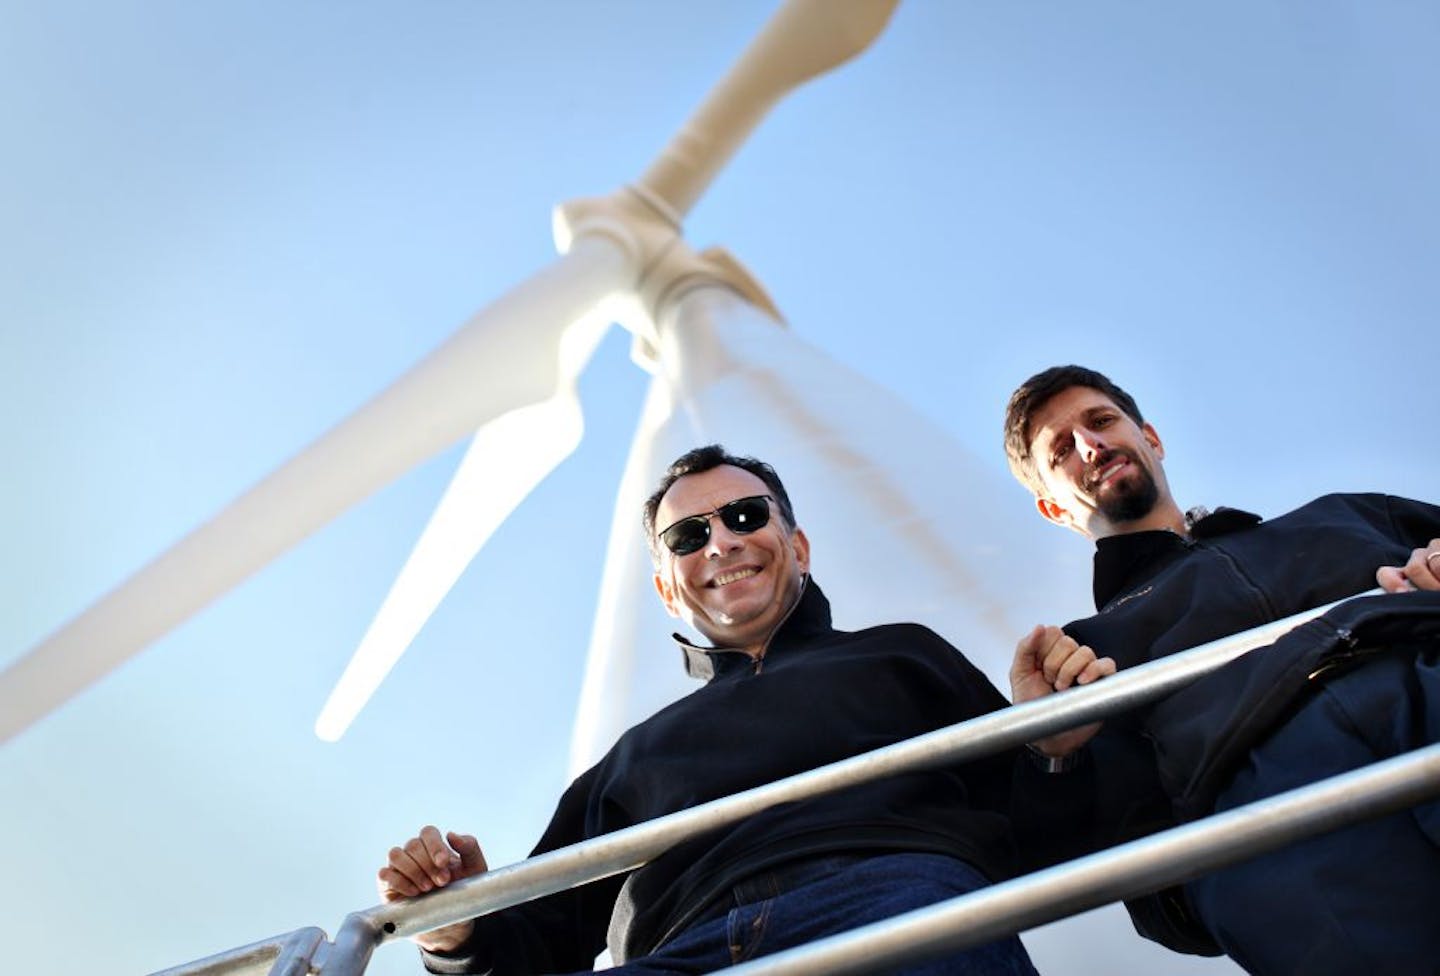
(1353, 652)
(759, 665)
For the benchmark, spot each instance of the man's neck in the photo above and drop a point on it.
(1162, 518)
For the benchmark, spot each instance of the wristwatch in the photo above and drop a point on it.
(1055, 764)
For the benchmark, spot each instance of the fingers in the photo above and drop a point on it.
(426, 862)
(1068, 663)
(401, 878)
(472, 859)
(1103, 667)
(1059, 648)
(1074, 661)
(1029, 652)
(1048, 660)
(1095, 669)
(1044, 649)
(430, 851)
(1392, 579)
(1423, 569)
(1420, 572)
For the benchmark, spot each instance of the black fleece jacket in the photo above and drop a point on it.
(818, 695)
(1159, 593)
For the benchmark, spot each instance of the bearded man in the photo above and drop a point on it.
(1358, 685)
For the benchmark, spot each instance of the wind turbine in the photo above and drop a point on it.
(723, 368)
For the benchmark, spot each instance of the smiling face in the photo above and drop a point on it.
(737, 588)
(1101, 471)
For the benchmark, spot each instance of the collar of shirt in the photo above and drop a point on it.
(1123, 561)
(809, 618)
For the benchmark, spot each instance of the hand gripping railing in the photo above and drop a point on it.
(1140, 866)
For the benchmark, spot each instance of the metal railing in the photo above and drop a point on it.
(1136, 868)
(1140, 866)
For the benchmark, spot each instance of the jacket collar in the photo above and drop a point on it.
(810, 617)
(1123, 562)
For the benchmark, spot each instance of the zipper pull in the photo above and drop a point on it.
(1351, 650)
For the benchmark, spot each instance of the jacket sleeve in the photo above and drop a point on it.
(1414, 523)
(563, 932)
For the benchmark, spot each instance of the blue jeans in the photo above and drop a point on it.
(797, 903)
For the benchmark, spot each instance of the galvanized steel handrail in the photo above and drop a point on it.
(1141, 866)
(627, 849)
(282, 955)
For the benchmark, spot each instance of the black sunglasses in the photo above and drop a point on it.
(742, 516)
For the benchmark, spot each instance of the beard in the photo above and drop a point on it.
(1132, 498)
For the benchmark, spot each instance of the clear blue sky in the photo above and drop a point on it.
(228, 225)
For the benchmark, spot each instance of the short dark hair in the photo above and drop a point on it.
(702, 459)
(1037, 391)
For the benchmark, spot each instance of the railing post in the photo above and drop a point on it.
(256, 957)
(354, 944)
(298, 953)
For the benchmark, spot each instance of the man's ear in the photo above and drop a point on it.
(1152, 437)
(802, 549)
(1052, 512)
(667, 594)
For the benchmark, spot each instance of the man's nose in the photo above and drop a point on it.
(1088, 443)
(721, 540)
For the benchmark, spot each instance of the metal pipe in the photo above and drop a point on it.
(353, 946)
(299, 952)
(627, 849)
(254, 959)
(1135, 868)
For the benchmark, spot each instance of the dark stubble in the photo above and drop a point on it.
(1131, 499)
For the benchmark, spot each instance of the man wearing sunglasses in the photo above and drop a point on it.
(1359, 685)
(784, 692)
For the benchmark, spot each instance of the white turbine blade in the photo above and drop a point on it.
(506, 357)
(805, 38)
(507, 459)
(628, 618)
